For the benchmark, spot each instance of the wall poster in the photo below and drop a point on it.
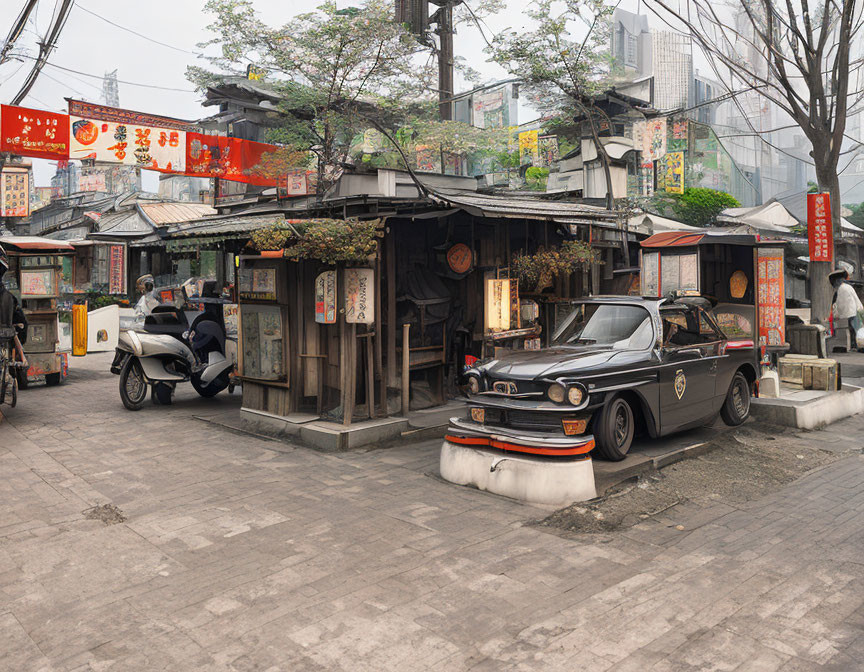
(38, 284)
(654, 139)
(117, 269)
(15, 193)
(498, 304)
(771, 297)
(673, 169)
(650, 279)
(325, 298)
(359, 295)
(257, 284)
(263, 347)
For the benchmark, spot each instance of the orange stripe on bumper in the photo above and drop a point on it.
(582, 449)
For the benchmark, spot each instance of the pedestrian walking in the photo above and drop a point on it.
(847, 305)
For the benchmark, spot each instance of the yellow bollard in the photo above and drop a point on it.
(79, 329)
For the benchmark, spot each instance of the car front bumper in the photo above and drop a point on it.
(465, 433)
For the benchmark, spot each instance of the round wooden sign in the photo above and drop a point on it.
(460, 258)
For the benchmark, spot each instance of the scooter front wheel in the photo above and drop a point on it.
(133, 386)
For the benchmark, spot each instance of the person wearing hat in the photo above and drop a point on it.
(847, 305)
(11, 313)
(148, 300)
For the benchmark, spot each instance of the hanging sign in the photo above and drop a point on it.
(80, 108)
(233, 159)
(359, 295)
(325, 298)
(117, 269)
(15, 192)
(460, 258)
(771, 297)
(497, 305)
(27, 132)
(820, 231)
(160, 149)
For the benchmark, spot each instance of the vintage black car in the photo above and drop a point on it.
(616, 366)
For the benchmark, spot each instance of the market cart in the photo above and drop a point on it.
(740, 274)
(34, 277)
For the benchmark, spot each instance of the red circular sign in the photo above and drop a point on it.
(460, 258)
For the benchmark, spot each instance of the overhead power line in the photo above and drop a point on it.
(129, 30)
(17, 29)
(121, 81)
(45, 48)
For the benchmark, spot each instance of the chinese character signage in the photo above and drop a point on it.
(359, 295)
(325, 298)
(654, 139)
(117, 269)
(26, 132)
(229, 159)
(161, 149)
(820, 232)
(79, 108)
(497, 305)
(15, 192)
(771, 297)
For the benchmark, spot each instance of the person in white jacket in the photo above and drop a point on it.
(847, 305)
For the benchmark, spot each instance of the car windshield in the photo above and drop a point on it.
(621, 327)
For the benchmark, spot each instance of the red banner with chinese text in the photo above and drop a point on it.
(231, 159)
(820, 231)
(771, 297)
(34, 133)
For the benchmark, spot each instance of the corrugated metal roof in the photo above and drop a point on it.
(222, 225)
(126, 223)
(528, 208)
(161, 214)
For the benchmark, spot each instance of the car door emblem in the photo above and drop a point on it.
(505, 387)
(680, 383)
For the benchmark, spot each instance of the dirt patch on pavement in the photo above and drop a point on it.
(107, 513)
(740, 465)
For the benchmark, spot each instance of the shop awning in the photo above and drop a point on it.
(35, 243)
(673, 239)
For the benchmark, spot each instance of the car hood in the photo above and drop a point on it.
(525, 365)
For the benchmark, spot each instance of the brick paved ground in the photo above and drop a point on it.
(244, 554)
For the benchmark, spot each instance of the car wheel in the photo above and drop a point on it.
(161, 394)
(736, 408)
(133, 386)
(614, 429)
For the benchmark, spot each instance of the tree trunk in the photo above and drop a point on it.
(820, 287)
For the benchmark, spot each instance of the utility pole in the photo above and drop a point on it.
(445, 31)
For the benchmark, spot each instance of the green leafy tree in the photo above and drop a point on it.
(564, 62)
(333, 68)
(699, 206)
(857, 216)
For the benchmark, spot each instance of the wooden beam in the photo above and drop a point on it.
(390, 259)
(406, 368)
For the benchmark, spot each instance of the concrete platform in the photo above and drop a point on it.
(809, 409)
(535, 481)
(332, 436)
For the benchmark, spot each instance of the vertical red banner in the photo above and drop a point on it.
(771, 297)
(820, 232)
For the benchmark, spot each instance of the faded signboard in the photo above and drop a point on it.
(359, 295)
(654, 139)
(325, 298)
(498, 305)
(771, 297)
(117, 269)
(650, 280)
(15, 193)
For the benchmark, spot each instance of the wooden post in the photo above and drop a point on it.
(406, 368)
(350, 374)
(379, 330)
(370, 376)
(390, 258)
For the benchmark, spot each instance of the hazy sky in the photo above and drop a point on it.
(90, 45)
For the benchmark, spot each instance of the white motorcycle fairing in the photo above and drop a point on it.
(216, 364)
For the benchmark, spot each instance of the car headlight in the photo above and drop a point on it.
(575, 395)
(556, 393)
(473, 384)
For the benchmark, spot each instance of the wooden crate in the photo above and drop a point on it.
(821, 374)
(791, 368)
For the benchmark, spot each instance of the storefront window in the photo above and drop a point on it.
(262, 342)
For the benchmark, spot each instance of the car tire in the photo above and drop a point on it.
(736, 408)
(161, 394)
(133, 392)
(614, 429)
